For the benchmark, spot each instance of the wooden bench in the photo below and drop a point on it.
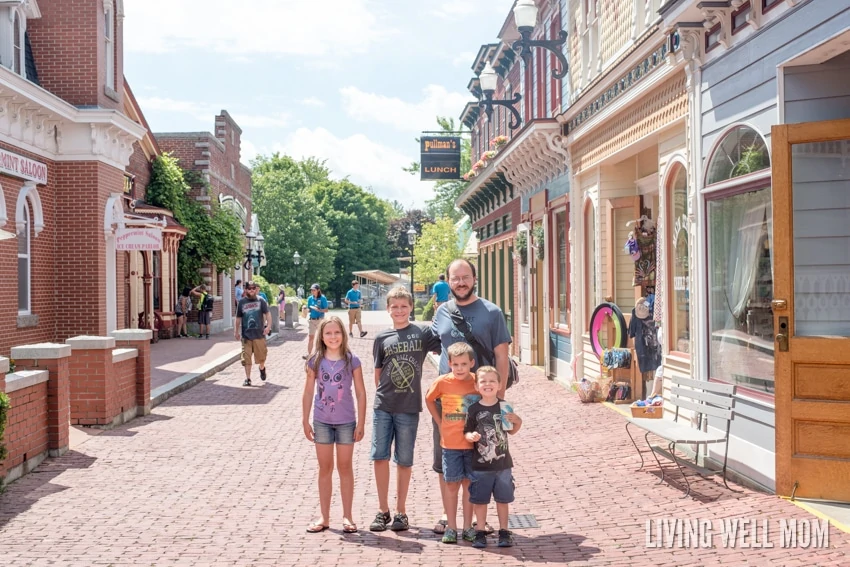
(706, 400)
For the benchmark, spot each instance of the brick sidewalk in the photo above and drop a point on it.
(222, 474)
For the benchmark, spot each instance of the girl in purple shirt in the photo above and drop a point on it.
(331, 372)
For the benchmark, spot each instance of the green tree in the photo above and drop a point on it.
(438, 245)
(358, 221)
(397, 231)
(446, 192)
(213, 236)
(292, 220)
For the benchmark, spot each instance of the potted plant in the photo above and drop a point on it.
(498, 142)
(521, 247)
(539, 244)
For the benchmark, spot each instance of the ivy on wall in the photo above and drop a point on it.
(5, 404)
(214, 236)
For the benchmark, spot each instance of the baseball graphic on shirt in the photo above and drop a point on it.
(402, 374)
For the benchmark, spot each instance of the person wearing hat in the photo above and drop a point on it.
(317, 306)
(281, 301)
(642, 328)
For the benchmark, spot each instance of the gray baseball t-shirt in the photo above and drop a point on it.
(399, 354)
(486, 322)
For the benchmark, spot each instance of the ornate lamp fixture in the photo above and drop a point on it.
(525, 16)
(488, 80)
(252, 253)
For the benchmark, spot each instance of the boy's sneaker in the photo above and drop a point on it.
(469, 534)
(450, 536)
(362, 334)
(480, 539)
(380, 522)
(247, 382)
(400, 523)
(506, 538)
(263, 374)
(351, 335)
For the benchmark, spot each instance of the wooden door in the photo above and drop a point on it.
(811, 306)
(539, 308)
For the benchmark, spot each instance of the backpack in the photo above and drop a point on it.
(208, 303)
(482, 353)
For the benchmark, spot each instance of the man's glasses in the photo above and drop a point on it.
(464, 279)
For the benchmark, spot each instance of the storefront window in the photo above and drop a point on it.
(24, 264)
(742, 151)
(680, 332)
(741, 279)
(589, 260)
(563, 275)
(157, 281)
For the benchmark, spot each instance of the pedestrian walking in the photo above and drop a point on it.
(353, 300)
(332, 370)
(486, 323)
(238, 292)
(488, 421)
(253, 323)
(440, 292)
(317, 306)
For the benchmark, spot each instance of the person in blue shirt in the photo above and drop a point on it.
(354, 301)
(440, 292)
(317, 306)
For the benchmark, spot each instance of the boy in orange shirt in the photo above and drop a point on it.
(456, 392)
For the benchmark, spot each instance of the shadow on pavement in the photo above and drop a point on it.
(26, 491)
(391, 543)
(704, 490)
(214, 393)
(126, 429)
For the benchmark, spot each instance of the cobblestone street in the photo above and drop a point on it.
(222, 474)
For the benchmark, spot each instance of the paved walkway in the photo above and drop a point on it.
(222, 474)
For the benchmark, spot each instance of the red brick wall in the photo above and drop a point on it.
(69, 50)
(140, 168)
(88, 383)
(42, 273)
(26, 429)
(124, 393)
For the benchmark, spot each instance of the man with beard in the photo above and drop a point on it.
(486, 324)
(253, 323)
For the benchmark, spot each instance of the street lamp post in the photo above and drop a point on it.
(296, 259)
(525, 16)
(411, 239)
(488, 80)
(251, 254)
(305, 273)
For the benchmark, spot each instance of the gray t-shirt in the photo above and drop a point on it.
(486, 322)
(399, 354)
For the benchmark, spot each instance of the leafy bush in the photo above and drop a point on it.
(419, 304)
(428, 310)
(5, 404)
(269, 289)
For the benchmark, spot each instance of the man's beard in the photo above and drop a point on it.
(463, 297)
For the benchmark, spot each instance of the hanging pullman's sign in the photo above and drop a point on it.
(25, 168)
(439, 157)
(138, 239)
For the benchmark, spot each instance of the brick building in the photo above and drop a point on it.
(221, 179)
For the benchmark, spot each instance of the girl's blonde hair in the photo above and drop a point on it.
(319, 346)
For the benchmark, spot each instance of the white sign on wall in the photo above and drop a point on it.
(25, 168)
(138, 239)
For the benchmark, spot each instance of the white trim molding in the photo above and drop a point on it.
(29, 191)
(3, 216)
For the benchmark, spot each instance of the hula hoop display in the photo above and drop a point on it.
(603, 311)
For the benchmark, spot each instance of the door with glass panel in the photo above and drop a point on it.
(811, 199)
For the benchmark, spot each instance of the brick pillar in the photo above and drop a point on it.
(139, 339)
(91, 379)
(53, 358)
(4, 369)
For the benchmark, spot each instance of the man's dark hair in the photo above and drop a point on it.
(252, 283)
(354, 282)
(443, 277)
(467, 262)
(238, 282)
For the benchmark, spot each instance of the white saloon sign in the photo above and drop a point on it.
(22, 167)
(138, 239)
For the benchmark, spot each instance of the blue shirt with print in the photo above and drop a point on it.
(353, 297)
(321, 303)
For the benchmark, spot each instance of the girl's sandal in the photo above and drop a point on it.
(349, 527)
(316, 528)
(440, 528)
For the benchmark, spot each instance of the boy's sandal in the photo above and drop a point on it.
(440, 528)
(316, 528)
(488, 529)
(349, 528)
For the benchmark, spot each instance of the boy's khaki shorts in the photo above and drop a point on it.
(354, 316)
(256, 348)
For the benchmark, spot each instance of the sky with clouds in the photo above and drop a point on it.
(350, 81)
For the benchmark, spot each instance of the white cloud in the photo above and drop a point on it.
(404, 116)
(206, 112)
(277, 27)
(248, 152)
(450, 10)
(464, 59)
(312, 101)
(365, 162)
